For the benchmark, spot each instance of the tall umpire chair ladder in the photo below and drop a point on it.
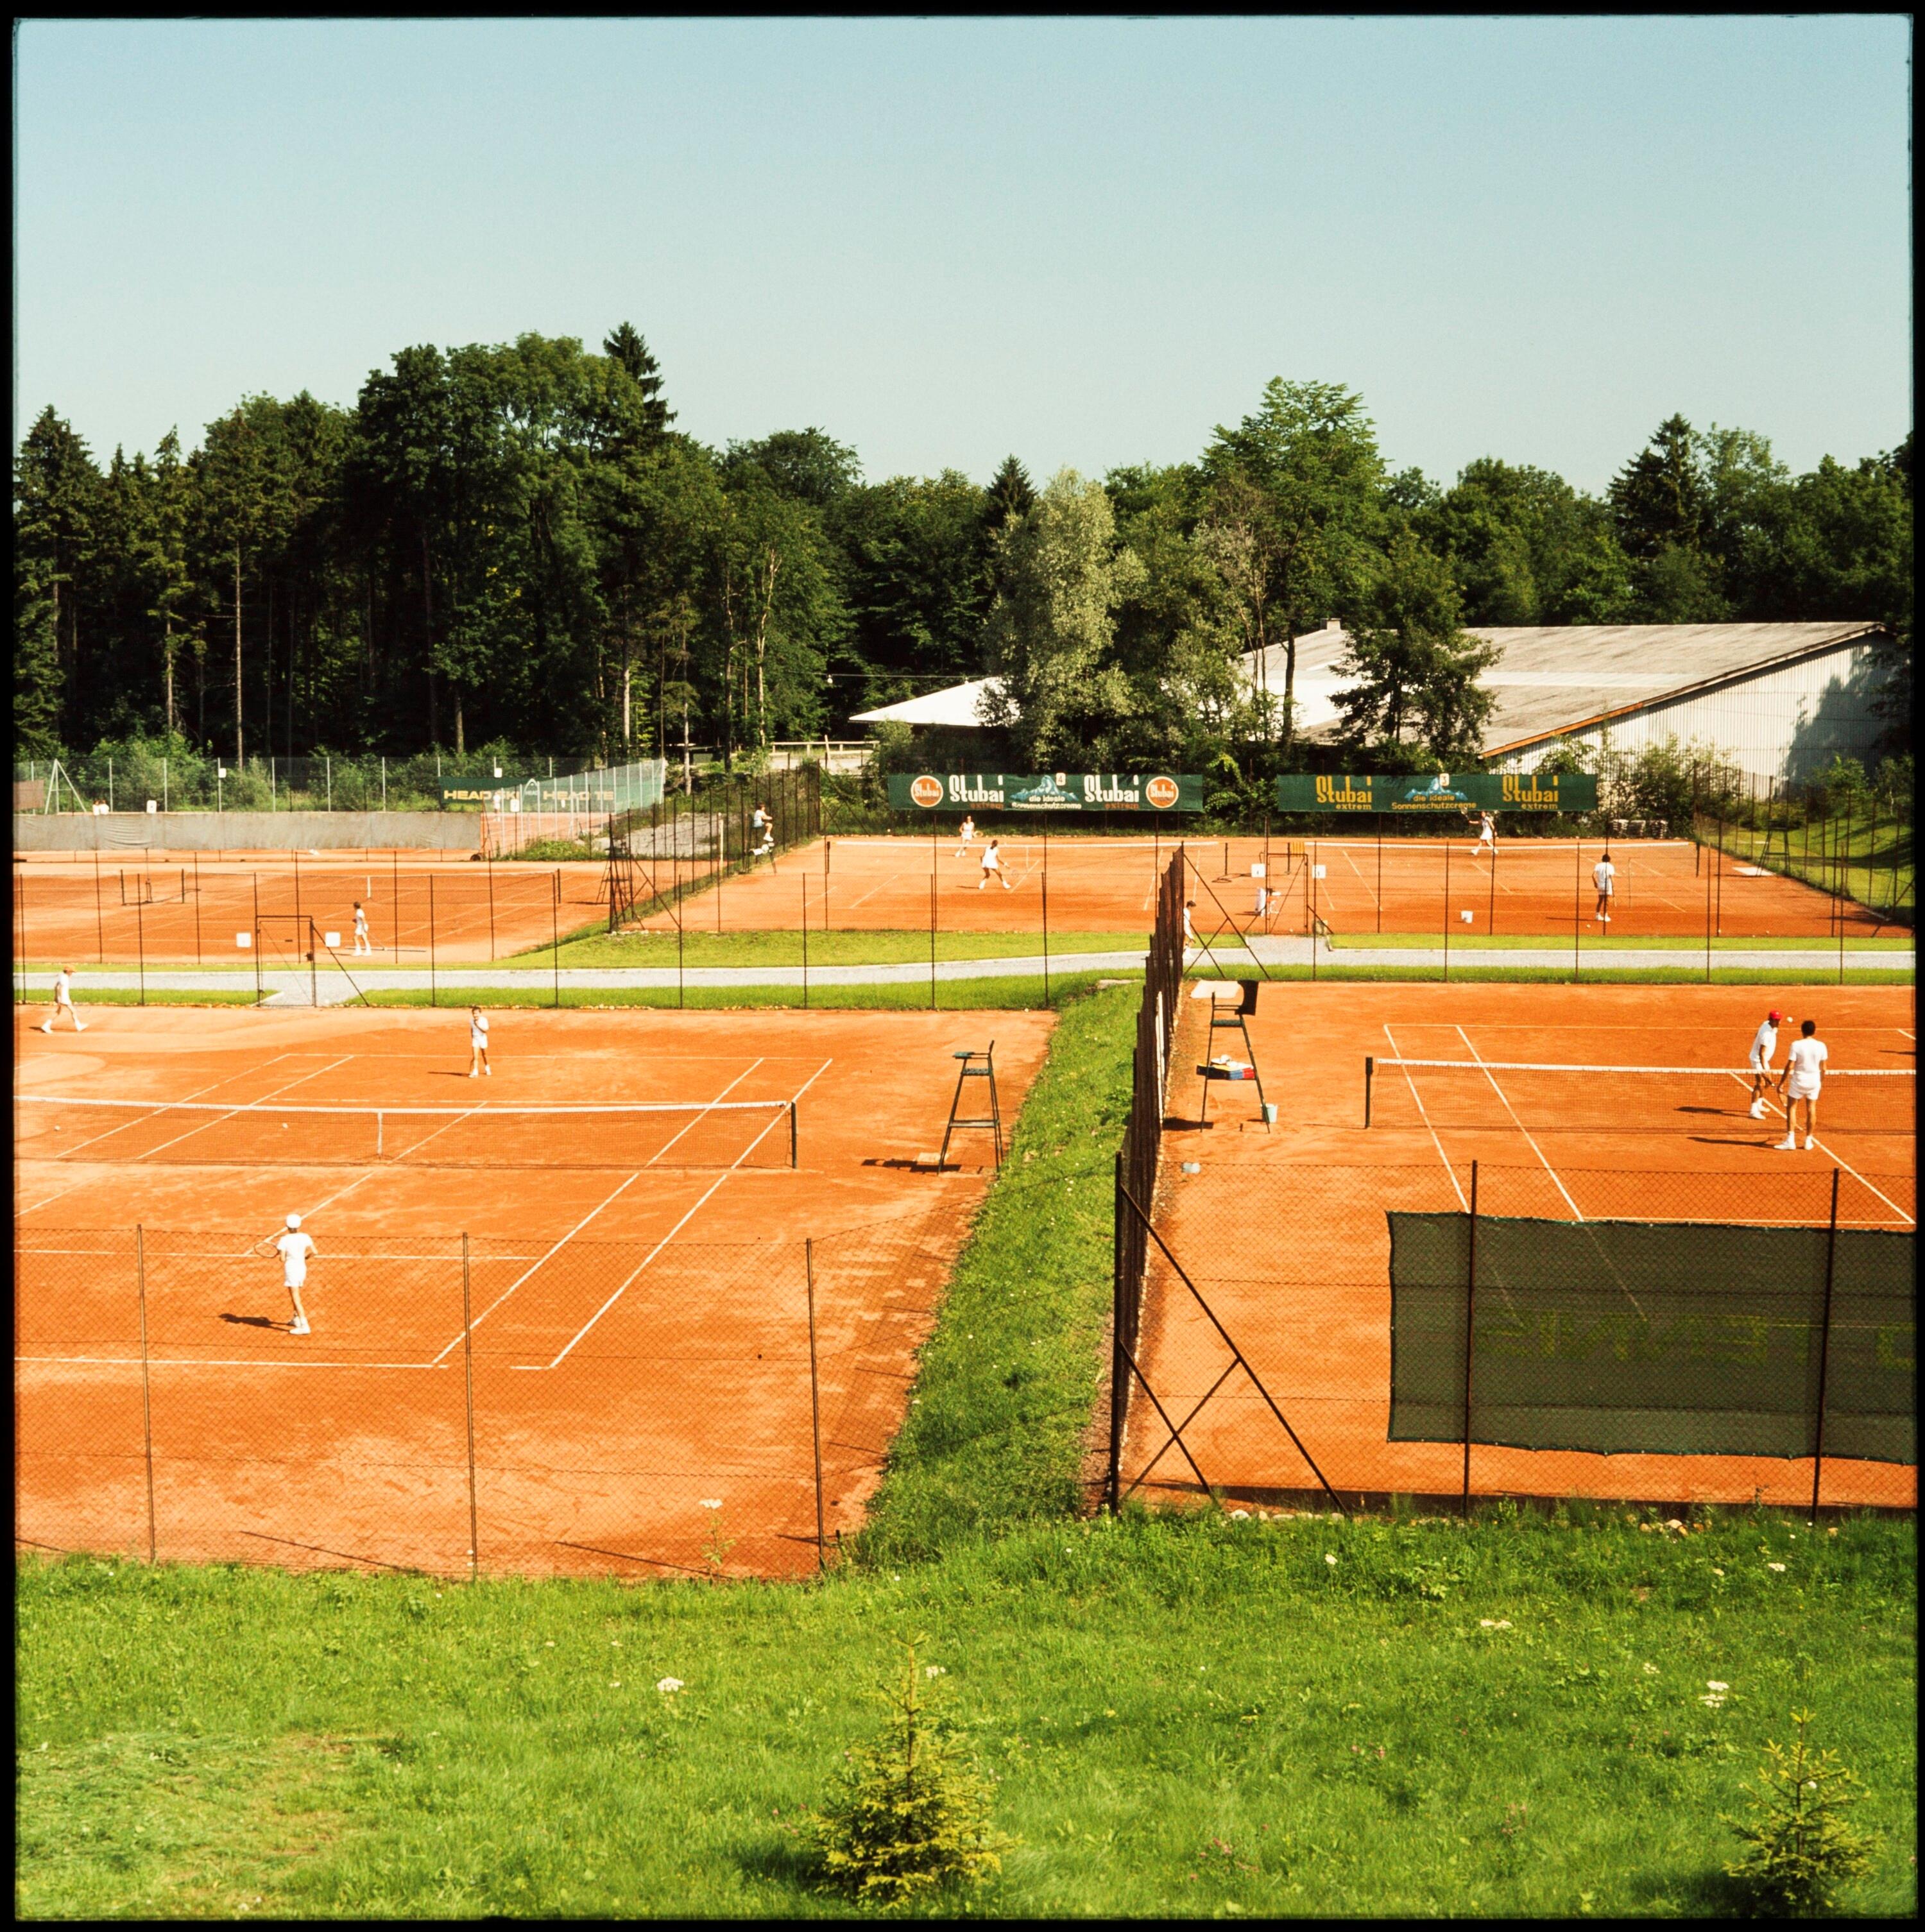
(1224, 1015)
(971, 1070)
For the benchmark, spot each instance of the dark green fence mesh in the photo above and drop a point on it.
(1660, 1337)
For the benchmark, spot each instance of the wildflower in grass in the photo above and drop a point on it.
(1650, 1670)
(668, 1686)
(1778, 1567)
(1331, 1561)
(1494, 1623)
(933, 1670)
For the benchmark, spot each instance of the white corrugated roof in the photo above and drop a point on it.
(960, 704)
(1548, 678)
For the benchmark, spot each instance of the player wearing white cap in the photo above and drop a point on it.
(63, 1001)
(1764, 1044)
(294, 1247)
(1803, 1076)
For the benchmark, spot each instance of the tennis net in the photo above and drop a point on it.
(1690, 1100)
(695, 1134)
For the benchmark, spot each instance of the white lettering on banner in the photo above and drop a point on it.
(1118, 791)
(963, 792)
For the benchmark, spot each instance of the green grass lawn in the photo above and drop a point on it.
(1184, 1718)
(1188, 1716)
(86, 996)
(1628, 943)
(825, 949)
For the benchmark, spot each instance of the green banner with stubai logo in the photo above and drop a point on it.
(1416, 795)
(1045, 791)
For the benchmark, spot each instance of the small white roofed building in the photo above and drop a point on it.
(1780, 700)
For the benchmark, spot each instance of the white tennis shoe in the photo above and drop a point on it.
(1810, 1143)
(1791, 1145)
(1758, 1110)
(300, 1328)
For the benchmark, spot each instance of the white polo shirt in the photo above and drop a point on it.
(1764, 1044)
(295, 1247)
(1806, 1062)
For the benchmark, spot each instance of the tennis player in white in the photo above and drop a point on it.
(992, 868)
(1604, 877)
(1764, 1045)
(1803, 1076)
(1487, 834)
(294, 1247)
(361, 942)
(477, 1044)
(965, 835)
(63, 1001)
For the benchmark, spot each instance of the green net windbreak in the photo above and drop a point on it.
(1681, 1338)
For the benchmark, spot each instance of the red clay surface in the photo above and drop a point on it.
(640, 1322)
(1665, 889)
(71, 914)
(1286, 1234)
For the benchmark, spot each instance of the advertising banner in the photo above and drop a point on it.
(1047, 791)
(1407, 794)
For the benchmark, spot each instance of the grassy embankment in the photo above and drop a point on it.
(1184, 1717)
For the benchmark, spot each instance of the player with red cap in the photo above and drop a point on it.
(1764, 1044)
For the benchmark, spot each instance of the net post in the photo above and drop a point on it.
(1369, 1075)
(1470, 1336)
(815, 1406)
(146, 1406)
(196, 908)
(468, 1374)
(1824, 1347)
(792, 1134)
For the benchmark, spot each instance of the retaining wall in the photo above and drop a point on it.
(247, 831)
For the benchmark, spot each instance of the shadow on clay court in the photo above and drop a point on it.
(252, 1321)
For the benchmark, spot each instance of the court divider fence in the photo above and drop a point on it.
(467, 1405)
(1349, 1336)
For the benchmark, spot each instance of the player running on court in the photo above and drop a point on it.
(361, 942)
(1764, 1045)
(965, 835)
(992, 868)
(294, 1247)
(63, 1001)
(477, 1044)
(1803, 1076)
(1604, 877)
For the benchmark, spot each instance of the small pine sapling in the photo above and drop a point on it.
(1802, 1846)
(909, 1813)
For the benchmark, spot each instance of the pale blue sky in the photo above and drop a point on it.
(1085, 241)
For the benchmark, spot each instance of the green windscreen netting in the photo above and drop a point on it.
(1666, 1337)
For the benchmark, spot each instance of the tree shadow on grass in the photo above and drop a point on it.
(781, 1861)
(1700, 1894)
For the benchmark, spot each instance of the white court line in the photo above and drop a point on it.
(687, 1218)
(1360, 879)
(1823, 1148)
(597, 1209)
(1434, 1141)
(215, 1362)
(705, 1106)
(147, 1153)
(1575, 1212)
(48, 1200)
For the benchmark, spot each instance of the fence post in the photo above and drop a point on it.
(932, 942)
(140, 945)
(254, 943)
(196, 908)
(394, 881)
(1824, 1348)
(1708, 924)
(815, 1407)
(468, 1368)
(431, 998)
(805, 941)
(100, 927)
(1045, 912)
(491, 905)
(1119, 1368)
(555, 928)
(1577, 915)
(1446, 912)
(1470, 1335)
(146, 1404)
(1379, 817)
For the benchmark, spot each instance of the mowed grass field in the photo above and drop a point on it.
(1197, 1715)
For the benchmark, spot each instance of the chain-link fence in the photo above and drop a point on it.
(1328, 1332)
(463, 1406)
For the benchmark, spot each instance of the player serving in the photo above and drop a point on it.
(1764, 1045)
(1803, 1076)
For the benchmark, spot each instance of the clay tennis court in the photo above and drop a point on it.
(1663, 889)
(638, 1284)
(183, 906)
(1284, 1232)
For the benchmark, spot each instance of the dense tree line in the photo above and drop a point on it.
(514, 545)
